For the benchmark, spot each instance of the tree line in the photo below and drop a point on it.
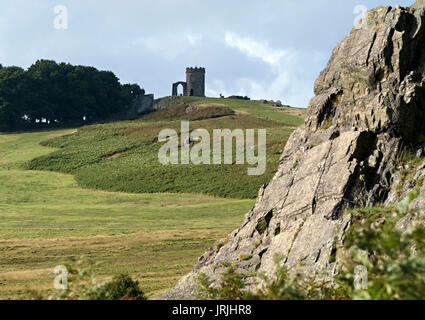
(53, 94)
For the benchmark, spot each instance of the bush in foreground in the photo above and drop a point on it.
(122, 287)
(83, 285)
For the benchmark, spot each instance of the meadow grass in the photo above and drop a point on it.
(159, 222)
(48, 220)
(291, 117)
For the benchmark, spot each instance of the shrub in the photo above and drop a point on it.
(122, 287)
(83, 285)
(232, 287)
(283, 286)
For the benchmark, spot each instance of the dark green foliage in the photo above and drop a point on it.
(129, 92)
(395, 262)
(52, 94)
(122, 287)
(13, 82)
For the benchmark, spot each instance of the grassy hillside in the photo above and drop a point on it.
(285, 115)
(123, 156)
(47, 220)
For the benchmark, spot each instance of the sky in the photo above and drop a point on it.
(270, 49)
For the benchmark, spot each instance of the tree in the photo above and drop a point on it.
(129, 92)
(60, 93)
(13, 96)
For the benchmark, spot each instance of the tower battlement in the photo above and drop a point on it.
(195, 69)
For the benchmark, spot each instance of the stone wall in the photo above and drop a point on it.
(142, 104)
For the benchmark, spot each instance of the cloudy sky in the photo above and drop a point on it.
(272, 49)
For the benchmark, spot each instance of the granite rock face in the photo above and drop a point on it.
(369, 103)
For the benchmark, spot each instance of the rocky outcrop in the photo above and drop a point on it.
(369, 104)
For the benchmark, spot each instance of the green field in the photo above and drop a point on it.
(123, 156)
(48, 219)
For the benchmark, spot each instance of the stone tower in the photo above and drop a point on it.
(194, 85)
(195, 80)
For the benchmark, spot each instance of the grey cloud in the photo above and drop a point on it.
(149, 42)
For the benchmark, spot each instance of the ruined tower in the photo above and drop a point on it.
(195, 79)
(195, 83)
